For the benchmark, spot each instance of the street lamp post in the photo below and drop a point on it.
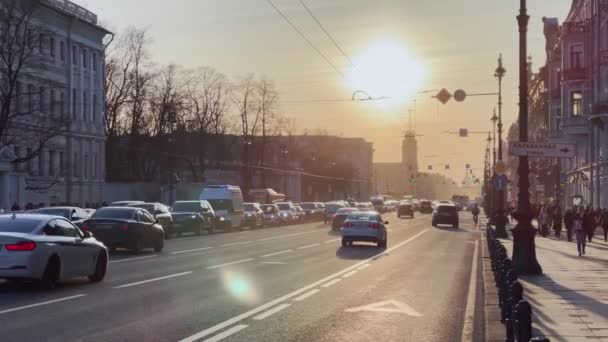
(501, 220)
(490, 187)
(524, 249)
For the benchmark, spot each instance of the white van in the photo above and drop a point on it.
(227, 202)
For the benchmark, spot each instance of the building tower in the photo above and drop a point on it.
(409, 161)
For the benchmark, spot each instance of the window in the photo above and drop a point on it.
(144, 217)
(74, 104)
(67, 229)
(62, 50)
(94, 61)
(94, 107)
(28, 151)
(41, 44)
(576, 56)
(84, 105)
(42, 103)
(95, 166)
(75, 165)
(30, 98)
(62, 104)
(84, 58)
(74, 55)
(41, 163)
(61, 161)
(53, 102)
(52, 47)
(576, 100)
(18, 91)
(86, 166)
(51, 163)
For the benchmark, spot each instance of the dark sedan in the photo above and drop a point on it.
(161, 214)
(426, 207)
(131, 228)
(405, 209)
(192, 216)
(445, 214)
(74, 214)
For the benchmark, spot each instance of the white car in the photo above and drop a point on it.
(227, 203)
(48, 249)
(287, 213)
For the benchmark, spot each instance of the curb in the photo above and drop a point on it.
(494, 330)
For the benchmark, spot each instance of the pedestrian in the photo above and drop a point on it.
(589, 223)
(568, 220)
(15, 207)
(579, 231)
(557, 222)
(543, 219)
(604, 223)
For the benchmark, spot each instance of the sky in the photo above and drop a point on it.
(455, 43)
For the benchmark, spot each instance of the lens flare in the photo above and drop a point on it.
(240, 287)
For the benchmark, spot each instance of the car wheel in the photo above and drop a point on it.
(345, 242)
(159, 244)
(50, 277)
(100, 268)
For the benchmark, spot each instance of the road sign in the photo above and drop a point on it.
(387, 306)
(443, 96)
(460, 95)
(500, 167)
(464, 132)
(500, 182)
(532, 149)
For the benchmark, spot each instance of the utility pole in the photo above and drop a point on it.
(501, 219)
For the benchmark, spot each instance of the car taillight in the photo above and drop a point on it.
(125, 227)
(374, 225)
(21, 246)
(348, 225)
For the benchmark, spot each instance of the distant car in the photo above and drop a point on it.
(74, 214)
(405, 209)
(330, 209)
(445, 214)
(364, 206)
(340, 216)
(426, 207)
(161, 213)
(193, 217)
(471, 205)
(364, 226)
(127, 227)
(124, 203)
(287, 212)
(48, 249)
(300, 214)
(227, 203)
(254, 216)
(312, 211)
(271, 214)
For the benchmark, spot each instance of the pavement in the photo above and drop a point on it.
(276, 284)
(569, 300)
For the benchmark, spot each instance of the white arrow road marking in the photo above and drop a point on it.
(387, 306)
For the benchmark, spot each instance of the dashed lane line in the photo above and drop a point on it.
(330, 283)
(192, 250)
(277, 253)
(272, 311)
(153, 280)
(229, 263)
(19, 308)
(131, 259)
(308, 246)
(226, 333)
(333, 240)
(349, 274)
(306, 295)
(236, 243)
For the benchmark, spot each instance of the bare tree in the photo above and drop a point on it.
(267, 97)
(28, 112)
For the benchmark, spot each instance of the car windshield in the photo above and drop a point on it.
(308, 206)
(284, 206)
(220, 204)
(248, 207)
(358, 216)
(193, 206)
(114, 213)
(65, 213)
(18, 224)
(269, 209)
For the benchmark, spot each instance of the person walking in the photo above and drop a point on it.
(589, 223)
(543, 220)
(557, 222)
(568, 220)
(604, 223)
(579, 231)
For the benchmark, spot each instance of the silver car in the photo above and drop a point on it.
(48, 249)
(366, 226)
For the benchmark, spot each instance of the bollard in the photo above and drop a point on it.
(523, 321)
(516, 292)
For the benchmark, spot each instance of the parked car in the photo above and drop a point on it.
(127, 227)
(125, 203)
(445, 214)
(330, 209)
(426, 207)
(271, 214)
(364, 206)
(312, 211)
(405, 209)
(254, 216)
(364, 226)
(300, 214)
(49, 249)
(340, 216)
(73, 214)
(227, 203)
(161, 213)
(193, 217)
(287, 212)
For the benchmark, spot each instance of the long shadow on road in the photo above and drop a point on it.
(358, 252)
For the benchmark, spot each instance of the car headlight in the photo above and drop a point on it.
(222, 218)
(272, 216)
(192, 216)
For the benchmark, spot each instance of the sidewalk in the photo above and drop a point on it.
(570, 300)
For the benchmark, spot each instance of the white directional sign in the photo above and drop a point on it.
(532, 149)
(387, 306)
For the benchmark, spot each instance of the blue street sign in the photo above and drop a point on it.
(500, 182)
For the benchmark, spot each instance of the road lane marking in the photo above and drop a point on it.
(387, 306)
(154, 279)
(335, 281)
(366, 265)
(192, 250)
(306, 295)
(328, 241)
(282, 236)
(273, 262)
(290, 295)
(272, 311)
(277, 253)
(308, 246)
(226, 333)
(229, 263)
(131, 259)
(349, 274)
(468, 327)
(236, 243)
(19, 308)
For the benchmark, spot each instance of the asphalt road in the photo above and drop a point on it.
(275, 284)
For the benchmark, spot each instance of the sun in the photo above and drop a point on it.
(387, 68)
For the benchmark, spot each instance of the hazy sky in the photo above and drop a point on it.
(457, 42)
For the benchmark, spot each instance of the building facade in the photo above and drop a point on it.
(67, 87)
